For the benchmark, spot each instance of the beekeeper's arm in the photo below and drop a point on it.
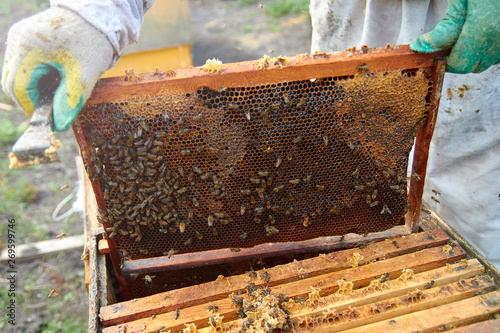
(472, 30)
(80, 39)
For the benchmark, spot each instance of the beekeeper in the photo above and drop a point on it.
(464, 161)
(81, 39)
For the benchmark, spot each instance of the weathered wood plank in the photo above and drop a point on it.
(335, 261)
(215, 257)
(395, 288)
(414, 301)
(365, 306)
(35, 250)
(489, 326)
(467, 311)
(327, 283)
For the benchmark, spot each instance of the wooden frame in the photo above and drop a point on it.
(297, 68)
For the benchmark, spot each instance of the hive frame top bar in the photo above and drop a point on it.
(300, 67)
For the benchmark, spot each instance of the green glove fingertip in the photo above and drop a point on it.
(63, 114)
(446, 33)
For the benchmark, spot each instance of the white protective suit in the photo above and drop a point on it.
(464, 157)
(464, 161)
(119, 20)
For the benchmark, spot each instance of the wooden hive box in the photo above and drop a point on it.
(147, 143)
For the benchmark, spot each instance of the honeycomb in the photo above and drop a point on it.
(240, 166)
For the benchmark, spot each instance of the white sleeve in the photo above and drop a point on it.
(119, 20)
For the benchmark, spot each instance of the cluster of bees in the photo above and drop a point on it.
(260, 310)
(156, 179)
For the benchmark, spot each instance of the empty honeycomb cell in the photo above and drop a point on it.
(227, 143)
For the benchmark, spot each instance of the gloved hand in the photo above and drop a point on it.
(471, 29)
(55, 38)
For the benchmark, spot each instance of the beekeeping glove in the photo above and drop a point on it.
(61, 39)
(472, 30)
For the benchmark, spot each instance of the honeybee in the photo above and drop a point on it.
(177, 313)
(374, 194)
(436, 192)
(278, 161)
(356, 172)
(244, 236)
(416, 176)
(148, 278)
(171, 253)
(143, 125)
(305, 222)
(257, 220)
(278, 188)
(271, 219)
(63, 188)
(182, 227)
(201, 148)
(289, 156)
(198, 235)
(255, 180)
(351, 145)
(213, 149)
(188, 242)
(212, 308)
(294, 181)
(271, 230)
(301, 102)
(252, 200)
(325, 140)
(435, 199)
(385, 209)
(183, 131)
(186, 151)
(286, 99)
(394, 187)
(320, 187)
(52, 293)
(235, 249)
(334, 209)
(197, 170)
(359, 187)
(247, 114)
(233, 106)
(210, 219)
(373, 204)
(61, 235)
(245, 192)
(198, 117)
(269, 181)
(297, 139)
(307, 178)
(368, 199)
(259, 210)
(242, 210)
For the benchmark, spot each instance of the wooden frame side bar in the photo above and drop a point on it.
(422, 144)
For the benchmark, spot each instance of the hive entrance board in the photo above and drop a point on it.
(281, 150)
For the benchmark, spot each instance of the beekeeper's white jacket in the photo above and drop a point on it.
(464, 161)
